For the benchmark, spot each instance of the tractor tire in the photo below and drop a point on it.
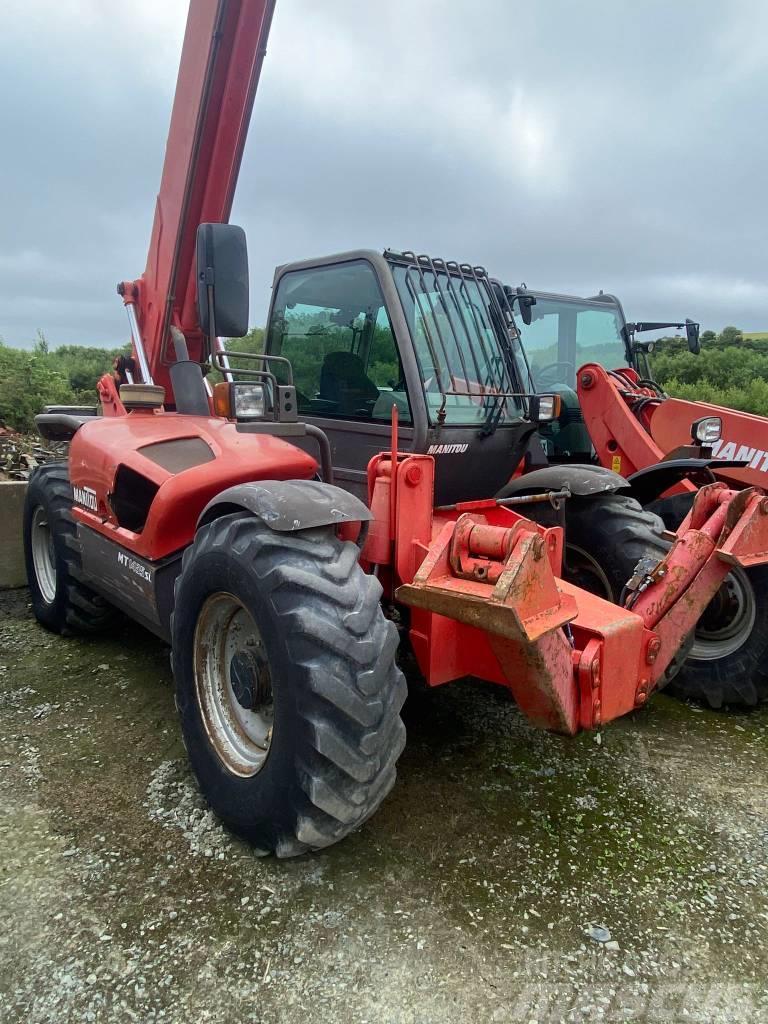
(60, 601)
(286, 683)
(728, 661)
(605, 538)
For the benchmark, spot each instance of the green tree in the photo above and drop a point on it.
(730, 336)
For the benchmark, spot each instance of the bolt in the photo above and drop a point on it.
(642, 693)
(587, 380)
(764, 506)
(413, 476)
(652, 652)
(596, 716)
(594, 669)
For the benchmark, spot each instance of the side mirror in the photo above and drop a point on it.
(525, 302)
(222, 280)
(692, 334)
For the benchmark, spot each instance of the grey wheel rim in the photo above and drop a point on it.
(233, 684)
(727, 621)
(43, 555)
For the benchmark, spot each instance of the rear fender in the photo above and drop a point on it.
(288, 506)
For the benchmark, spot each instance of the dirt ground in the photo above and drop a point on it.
(468, 897)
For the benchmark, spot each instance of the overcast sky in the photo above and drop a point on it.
(572, 145)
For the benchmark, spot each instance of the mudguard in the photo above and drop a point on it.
(288, 505)
(650, 483)
(579, 479)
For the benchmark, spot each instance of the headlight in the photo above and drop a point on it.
(249, 401)
(544, 408)
(707, 430)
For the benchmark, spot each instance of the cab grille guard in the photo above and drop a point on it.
(465, 330)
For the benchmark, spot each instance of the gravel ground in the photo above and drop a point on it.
(479, 892)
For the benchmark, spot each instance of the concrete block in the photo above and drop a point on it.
(12, 573)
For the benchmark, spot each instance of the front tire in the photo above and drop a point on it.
(605, 538)
(286, 683)
(60, 601)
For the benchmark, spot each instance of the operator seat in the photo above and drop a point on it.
(344, 382)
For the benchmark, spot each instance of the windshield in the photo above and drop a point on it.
(565, 333)
(470, 362)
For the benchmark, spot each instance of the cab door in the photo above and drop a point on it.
(332, 322)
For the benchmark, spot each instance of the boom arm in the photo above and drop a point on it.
(221, 59)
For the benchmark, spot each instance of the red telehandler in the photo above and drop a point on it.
(212, 517)
(613, 410)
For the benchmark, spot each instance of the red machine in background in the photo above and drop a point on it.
(634, 425)
(613, 411)
(200, 515)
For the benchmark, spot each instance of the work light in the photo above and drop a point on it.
(544, 408)
(707, 430)
(249, 401)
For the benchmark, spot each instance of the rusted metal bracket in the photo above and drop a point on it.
(464, 578)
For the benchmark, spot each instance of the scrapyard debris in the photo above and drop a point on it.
(21, 453)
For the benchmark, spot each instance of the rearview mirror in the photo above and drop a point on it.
(692, 334)
(525, 302)
(222, 280)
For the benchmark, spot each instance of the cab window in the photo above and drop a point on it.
(566, 333)
(333, 326)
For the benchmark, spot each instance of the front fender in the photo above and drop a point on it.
(288, 505)
(649, 483)
(582, 480)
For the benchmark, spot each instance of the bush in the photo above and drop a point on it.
(731, 370)
(31, 379)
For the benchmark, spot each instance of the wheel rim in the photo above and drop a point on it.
(581, 569)
(728, 619)
(233, 684)
(43, 555)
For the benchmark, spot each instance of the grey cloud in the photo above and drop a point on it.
(574, 146)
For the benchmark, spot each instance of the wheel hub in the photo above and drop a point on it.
(251, 683)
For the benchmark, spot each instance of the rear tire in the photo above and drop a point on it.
(307, 620)
(728, 663)
(52, 555)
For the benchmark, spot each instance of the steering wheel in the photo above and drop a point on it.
(542, 381)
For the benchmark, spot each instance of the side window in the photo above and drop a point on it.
(599, 339)
(540, 339)
(332, 324)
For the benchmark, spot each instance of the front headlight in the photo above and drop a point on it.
(707, 430)
(250, 401)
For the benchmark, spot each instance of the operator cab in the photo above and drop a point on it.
(565, 333)
(366, 333)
